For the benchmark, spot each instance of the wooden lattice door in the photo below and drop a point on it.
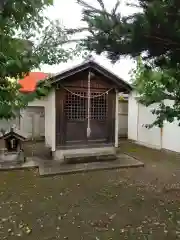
(76, 117)
(98, 116)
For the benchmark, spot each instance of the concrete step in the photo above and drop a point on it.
(61, 155)
(122, 161)
(89, 157)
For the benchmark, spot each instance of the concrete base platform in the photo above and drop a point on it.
(30, 163)
(122, 161)
(61, 154)
(51, 167)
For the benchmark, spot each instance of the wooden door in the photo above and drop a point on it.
(75, 123)
(76, 118)
(98, 117)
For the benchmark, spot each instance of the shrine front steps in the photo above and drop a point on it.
(55, 168)
(50, 167)
(84, 155)
(85, 158)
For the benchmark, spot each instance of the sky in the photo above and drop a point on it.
(69, 13)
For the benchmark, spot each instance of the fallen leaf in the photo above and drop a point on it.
(156, 223)
(4, 219)
(28, 230)
(19, 234)
(112, 216)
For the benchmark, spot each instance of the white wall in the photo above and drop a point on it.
(50, 121)
(22, 123)
(38, 103)
(19, 121)
(50, 118)
(149, 137)
(31, 119)
(138, 117)
(132, 116)
(167, 138)
(6, 125)
(123, 118)
(171, 133)
(117, 119)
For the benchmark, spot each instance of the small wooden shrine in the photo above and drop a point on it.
(12, 146)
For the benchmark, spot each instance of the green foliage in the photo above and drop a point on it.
(28, 39)
(12, 100)
(153, 32)
(158, 87)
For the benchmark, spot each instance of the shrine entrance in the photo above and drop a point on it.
(86, 107)
(85, 111)
(76, 117)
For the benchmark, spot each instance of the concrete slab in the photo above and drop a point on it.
(87, 158)
(122, 161)
(51, 167)
(60, 154)
(30, 163)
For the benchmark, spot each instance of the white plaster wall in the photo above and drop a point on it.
(50, 115)
(116, 119)
(123, 118)
(26, 121)
(6, 125)
(50, 121)
(33, 122)
(148, 137)
(38, 103)
(132, 116)
(18, 122)
(138, 116)
(123, 125)
(171, 133)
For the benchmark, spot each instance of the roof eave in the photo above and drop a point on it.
(91, 64)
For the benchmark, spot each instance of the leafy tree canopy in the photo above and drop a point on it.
(27, 39)
(159, 87)
(154, 32)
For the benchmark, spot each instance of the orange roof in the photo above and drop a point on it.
(29, 82)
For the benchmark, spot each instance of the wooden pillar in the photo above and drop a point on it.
(117, 119)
